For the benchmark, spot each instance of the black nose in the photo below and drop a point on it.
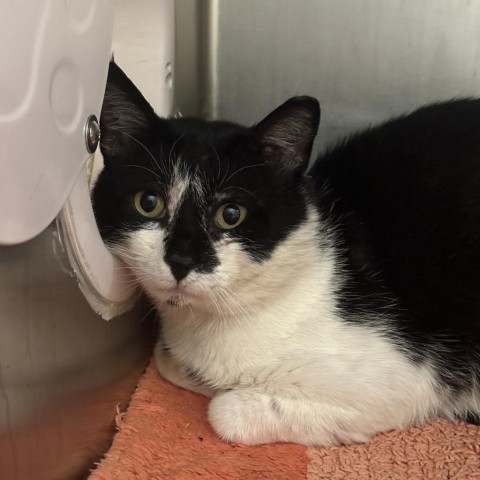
(179, 265)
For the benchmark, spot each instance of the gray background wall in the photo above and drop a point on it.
(365, 60)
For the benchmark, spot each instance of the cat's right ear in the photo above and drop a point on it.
(287, 134)
(126, 115)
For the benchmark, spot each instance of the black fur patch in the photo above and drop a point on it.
(473, 418)
(405, 200)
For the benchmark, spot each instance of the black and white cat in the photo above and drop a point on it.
(319, 309)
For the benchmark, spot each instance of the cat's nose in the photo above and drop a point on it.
(180, 265)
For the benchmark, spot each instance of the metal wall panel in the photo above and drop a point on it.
(365, 60)
(63, 370)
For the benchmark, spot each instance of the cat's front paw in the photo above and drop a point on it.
(242, 416)
(253, 418)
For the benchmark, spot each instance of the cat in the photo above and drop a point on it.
(317, 306)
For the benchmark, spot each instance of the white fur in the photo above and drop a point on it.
(176, 373)
(176, 192)
(267, 338)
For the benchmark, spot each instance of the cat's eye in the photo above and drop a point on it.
(149, 204)
(230, 215)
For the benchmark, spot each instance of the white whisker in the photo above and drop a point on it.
(244, 168)
(152, 156)
(241, 188)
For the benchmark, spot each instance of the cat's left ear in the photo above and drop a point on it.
(126, 114)
(287, 134)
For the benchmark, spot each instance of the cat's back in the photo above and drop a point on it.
(436, 143)
(405, 198)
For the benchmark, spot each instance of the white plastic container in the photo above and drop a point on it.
(61, 364)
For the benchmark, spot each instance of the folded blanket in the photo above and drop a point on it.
(164, 434)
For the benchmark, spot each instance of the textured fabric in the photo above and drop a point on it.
(164, 434)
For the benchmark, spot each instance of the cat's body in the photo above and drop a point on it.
(340, 304)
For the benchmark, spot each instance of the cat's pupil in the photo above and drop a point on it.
(231, 214)
(148, 202)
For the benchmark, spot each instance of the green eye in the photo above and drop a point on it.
(149, 204)
(230, 215)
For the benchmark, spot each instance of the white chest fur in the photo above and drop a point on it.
(288, 351)
(291, 339)
(274, 317)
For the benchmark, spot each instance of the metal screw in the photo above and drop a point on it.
(92, 133)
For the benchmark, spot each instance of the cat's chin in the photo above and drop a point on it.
(177, 301)
(171, 298)
(184, 296)
(174, 298)
(169, 301)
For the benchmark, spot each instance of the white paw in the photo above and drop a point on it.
(252, 418)
(242, 416)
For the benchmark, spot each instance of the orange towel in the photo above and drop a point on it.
(164, 434)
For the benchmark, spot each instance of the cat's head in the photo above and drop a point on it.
(198, 208)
